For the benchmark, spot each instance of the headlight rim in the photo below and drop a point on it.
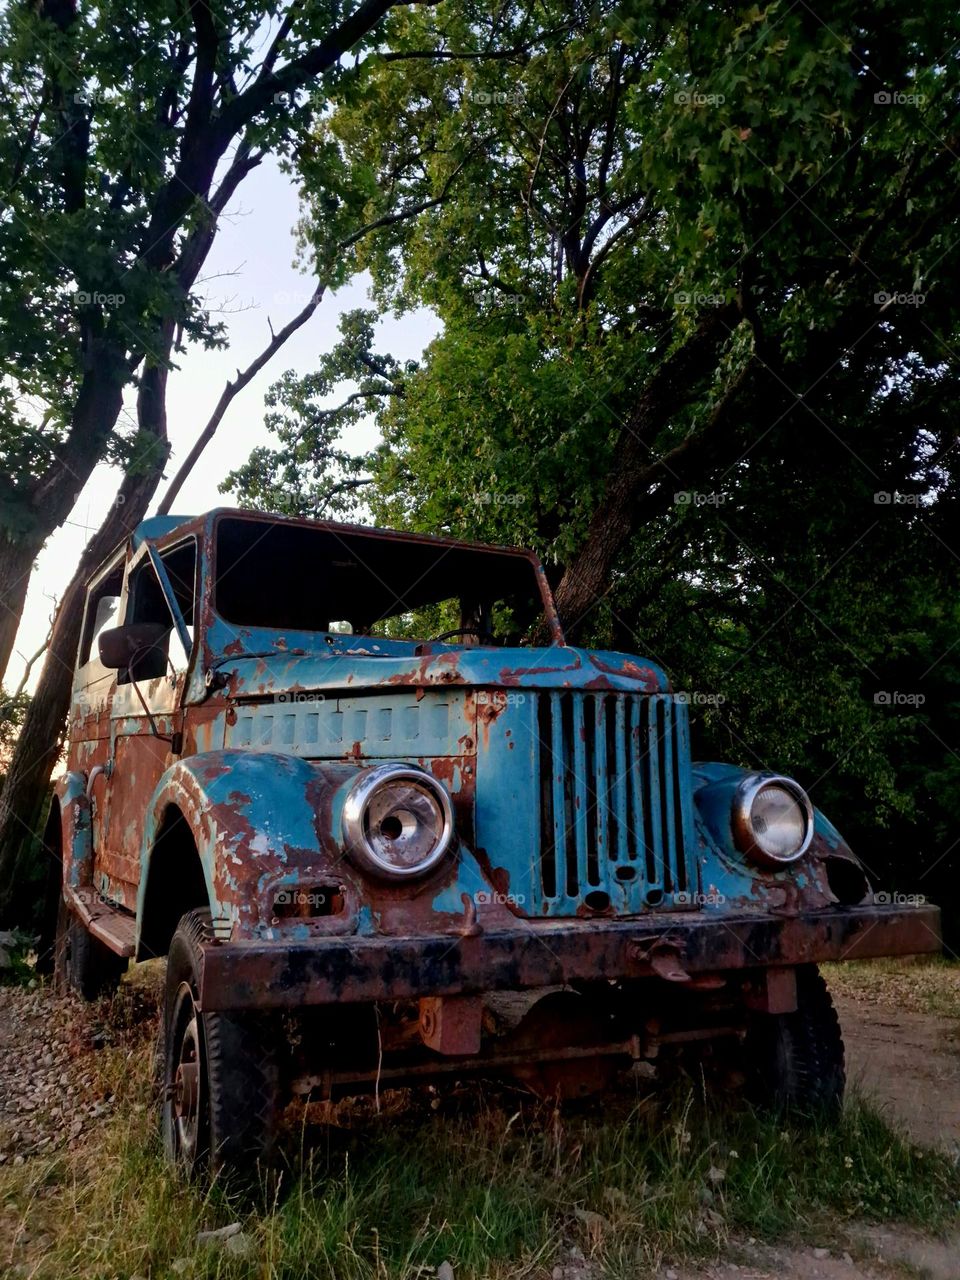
(356, 802)
(744, 836)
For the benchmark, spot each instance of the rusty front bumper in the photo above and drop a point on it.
(336, 970)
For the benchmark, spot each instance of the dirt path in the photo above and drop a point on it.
(909, 1063)
(874, 1253)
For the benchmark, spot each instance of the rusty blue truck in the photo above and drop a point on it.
(389, 827)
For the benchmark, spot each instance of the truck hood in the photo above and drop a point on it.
(559, 667)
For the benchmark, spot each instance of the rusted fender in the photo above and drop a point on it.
(70, 793)
(728, 877)
(255, 818)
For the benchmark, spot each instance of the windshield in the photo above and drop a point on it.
(316, 578)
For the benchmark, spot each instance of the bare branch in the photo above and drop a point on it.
(230, 391)
(7, 707)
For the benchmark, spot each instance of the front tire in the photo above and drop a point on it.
(221, 1081)
(795, 1061)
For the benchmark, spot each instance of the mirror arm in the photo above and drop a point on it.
(172, 738)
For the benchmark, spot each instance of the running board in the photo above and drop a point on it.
(114, 927)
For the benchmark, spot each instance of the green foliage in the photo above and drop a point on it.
(127, 132)
(308, 473)
(590, 201)
(13, 709)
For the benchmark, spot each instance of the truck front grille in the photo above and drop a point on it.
(615, 805)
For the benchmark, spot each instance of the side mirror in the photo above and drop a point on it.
(125, 646)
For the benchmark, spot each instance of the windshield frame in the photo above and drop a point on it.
(251, 640)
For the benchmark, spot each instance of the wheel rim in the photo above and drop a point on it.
(186, 1087)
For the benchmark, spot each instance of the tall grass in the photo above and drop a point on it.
(492, 1188)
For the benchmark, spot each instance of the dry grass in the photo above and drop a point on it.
(494, 1188)
(929, 984)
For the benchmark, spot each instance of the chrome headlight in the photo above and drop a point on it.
(772, 819)
(397, 821)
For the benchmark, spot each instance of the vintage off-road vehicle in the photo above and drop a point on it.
(374, 859)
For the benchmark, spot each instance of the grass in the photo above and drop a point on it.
(471, 1178)
(930, 984)
(494, 1191)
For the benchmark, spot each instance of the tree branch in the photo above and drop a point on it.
(7, 707)
(229, 392)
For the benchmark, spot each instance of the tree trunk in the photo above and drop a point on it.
(636, 467)
(23, 874)
(51, 498)
(16, 566)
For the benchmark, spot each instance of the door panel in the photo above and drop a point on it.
(145, 717)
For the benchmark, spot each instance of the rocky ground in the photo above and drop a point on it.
(48, 1094)
(53, 1093)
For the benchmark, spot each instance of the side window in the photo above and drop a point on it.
(103, 612)
(147, 603)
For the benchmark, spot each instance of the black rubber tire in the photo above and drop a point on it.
(795, 1061)
(238, 1101)
(82, 963)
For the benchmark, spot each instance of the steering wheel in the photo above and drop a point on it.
(463, 631)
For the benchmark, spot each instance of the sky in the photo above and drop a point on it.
(250, 274)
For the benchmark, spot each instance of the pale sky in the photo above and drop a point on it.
(253, 253)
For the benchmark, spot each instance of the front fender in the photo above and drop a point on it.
(259, 820)
(70, 796)
(828, 873)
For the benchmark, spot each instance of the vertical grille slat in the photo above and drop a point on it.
(655, 850)
(638, 840)
(684, 796)
(601, 783)
(619, 785)
(667, 806)
(580, 790)
(615, 801)
(558, 781)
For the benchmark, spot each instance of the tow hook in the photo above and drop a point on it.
(666, 960)
(471, 926)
